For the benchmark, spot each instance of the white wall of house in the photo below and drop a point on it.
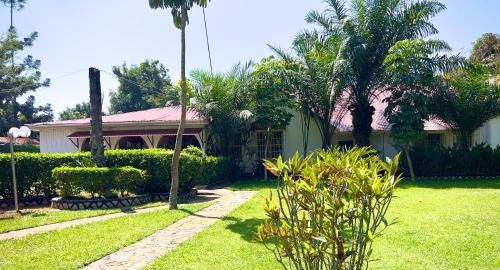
(53, 140)
(292, 137)
(489, 133)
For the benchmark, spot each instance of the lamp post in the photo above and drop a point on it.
(14, 133)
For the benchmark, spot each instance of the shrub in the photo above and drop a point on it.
(194, 151)
(34, 170)
(18, 148)
(480, 160)
(101, 181)
(329, 208)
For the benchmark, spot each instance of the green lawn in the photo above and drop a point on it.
(75, 247)
(443, 224)
(35, 218)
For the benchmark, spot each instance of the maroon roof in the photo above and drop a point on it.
(380, 123)
(136, 133)
(159, 115)
(20, 140)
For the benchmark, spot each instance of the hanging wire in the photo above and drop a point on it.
(208, 43)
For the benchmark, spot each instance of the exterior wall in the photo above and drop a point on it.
(53, 140)
(292, 137)
(489, 133)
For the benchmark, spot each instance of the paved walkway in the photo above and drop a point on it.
(147, 250)
(203, 195)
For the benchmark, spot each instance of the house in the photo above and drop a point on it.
(157, 128)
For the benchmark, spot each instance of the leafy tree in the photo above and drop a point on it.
(142, 87)
(469, 101)
(309, 76)
(271, 102)
(17, 78)
(368, 29)
(411, 66)
(224, 99)
(79, 111)
(179, 9)
(487, 49)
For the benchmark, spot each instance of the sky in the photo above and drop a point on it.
(77, 34)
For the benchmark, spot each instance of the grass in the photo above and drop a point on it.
(78, 246)
(443, 224)
(34, 218)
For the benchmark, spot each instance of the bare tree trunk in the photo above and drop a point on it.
(266, 148)
(96, 139)
(174, 187)
(410, 164)
(306, 122)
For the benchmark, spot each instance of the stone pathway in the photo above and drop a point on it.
(147, 250)
(203, 195)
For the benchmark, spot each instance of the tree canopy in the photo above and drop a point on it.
(79, 111)
(144, 86)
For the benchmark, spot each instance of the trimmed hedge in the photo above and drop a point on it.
(34, 170)
(480, 160)
(28, 148)
(101, 181)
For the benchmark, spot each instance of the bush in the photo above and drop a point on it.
(18, 148)
(480, 160)
(97, 181)
(329, 208)
(34, 170)
(194, 151)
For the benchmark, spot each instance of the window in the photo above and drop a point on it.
(275, 147)
(433, 139)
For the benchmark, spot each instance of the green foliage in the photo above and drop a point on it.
(224, 99)
(73, 181)
(487, 50)
(178, 6)
(479, 160)
(309, 76)
(18, 148)
(18, 78)
(329, 209)
(193, 151)
(467, 102)
(144, 86)
(79, 111)
(34, 171)
(367, 30)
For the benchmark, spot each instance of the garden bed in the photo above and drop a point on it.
(25, 202)
(108, 203)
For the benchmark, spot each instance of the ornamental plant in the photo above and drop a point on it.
(329, 208)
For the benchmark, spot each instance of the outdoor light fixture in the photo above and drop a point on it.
(23, 132)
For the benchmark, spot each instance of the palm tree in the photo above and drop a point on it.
(224, 99)
(368, 29)
(179, 10)
(309, 75)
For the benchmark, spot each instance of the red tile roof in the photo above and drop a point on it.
(380, 123)
(20, 140)
(159, 115)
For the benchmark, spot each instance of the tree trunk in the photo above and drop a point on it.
(266, 148)
(410, 164)
(464, 140)
(306, 123)
(174, 187)
(362, 118)
(96, 139)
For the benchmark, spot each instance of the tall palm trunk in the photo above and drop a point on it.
(174, 187)
(362, 118)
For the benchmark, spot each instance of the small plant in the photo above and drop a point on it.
(329, 208)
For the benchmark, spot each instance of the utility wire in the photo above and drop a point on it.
(208, 43)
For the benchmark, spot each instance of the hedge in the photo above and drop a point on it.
(480, 160)
(71, 181)
(28, 148)
(34, 170)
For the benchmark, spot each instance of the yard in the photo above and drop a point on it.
(443, 224)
